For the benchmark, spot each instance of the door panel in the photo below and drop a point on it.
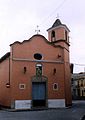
(39, 94)
(38, 91)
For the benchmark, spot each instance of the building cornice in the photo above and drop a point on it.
(43, 61)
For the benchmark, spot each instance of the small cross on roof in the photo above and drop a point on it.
(37, 30)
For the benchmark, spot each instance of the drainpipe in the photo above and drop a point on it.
(8, 84)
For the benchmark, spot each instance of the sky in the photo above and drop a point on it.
(19, 20)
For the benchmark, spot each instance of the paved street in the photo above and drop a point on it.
(75, 113)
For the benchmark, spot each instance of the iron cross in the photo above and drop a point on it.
(37, 30)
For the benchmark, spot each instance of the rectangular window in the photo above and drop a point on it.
(66, 35)
(38, 70)
(21, 86)
(81, 82)
(55, 86)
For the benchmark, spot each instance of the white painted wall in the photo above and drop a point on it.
(22, 104)
(52, 103)
(56, 103)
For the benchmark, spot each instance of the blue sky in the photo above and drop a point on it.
(19, 18)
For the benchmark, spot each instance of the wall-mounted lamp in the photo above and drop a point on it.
(25, 70)
(54, 71)
(7, 85)
(59, 55)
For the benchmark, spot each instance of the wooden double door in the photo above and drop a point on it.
(38, 94)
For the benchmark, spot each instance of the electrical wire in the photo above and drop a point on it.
(57, 8)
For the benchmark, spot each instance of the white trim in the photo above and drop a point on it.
(31, 60)
(22, 104)
(56, 103)
(54, 87)
(22, 86)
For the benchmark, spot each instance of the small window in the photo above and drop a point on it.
(81, 82)
(66, 37)
(38, 56)
(38, 70)
(53, 33)
(53, 36)
(78, 83)
(21, 86)
(55, 86)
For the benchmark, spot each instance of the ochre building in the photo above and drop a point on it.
(36, 72)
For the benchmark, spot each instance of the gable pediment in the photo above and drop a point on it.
(36, 44)
(35, 38)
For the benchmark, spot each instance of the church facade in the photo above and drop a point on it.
(36, 72)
